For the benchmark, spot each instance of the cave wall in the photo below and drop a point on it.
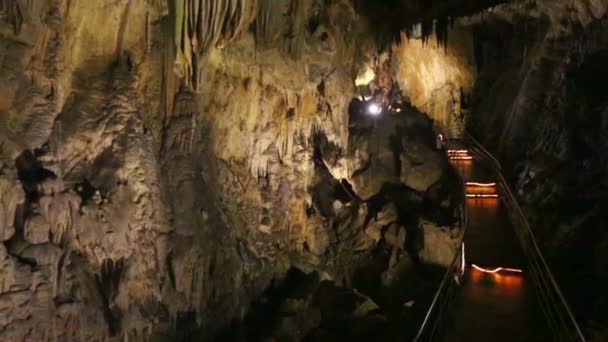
(436, 76)
(158, 172)
(113, 210)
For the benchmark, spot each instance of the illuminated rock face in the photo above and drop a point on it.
(436, 77)
(136, 203)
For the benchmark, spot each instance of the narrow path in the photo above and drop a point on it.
(500, 306)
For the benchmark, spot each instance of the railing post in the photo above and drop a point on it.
(442, 296)
(557, 310)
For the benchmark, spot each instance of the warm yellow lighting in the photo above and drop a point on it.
(483, 185)
(509, 282)
(481, 190)
(461, 158)
(497, 269)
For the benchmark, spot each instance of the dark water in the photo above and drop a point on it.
(493, 306)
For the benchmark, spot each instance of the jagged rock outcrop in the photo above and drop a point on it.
(161, 163)
(437, 77)
(12, 197)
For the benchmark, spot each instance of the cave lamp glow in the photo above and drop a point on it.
(497, 269)
(374, 109)
(481, 185)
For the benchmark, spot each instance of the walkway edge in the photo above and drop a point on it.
(543, 268)
(457, 264)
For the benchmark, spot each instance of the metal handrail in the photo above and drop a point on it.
(484, 153)
(448, 276)
(542, 268)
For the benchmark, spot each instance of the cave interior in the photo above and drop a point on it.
(280, 170)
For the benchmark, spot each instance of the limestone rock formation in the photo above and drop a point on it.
(162, 162)
(12, 197)
(165, 164)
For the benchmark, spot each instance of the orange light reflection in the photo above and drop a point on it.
(485, 203)
(481, 190)
(512, 281)
(482, 185)
(497, 269)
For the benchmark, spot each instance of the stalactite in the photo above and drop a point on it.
(427, 30)
(12, 11)
(269, 20)
(439, 28)
(203, 24)
(442, 27)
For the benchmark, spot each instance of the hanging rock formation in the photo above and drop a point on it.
(162, 163)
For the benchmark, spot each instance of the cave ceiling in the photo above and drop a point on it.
(388, 18)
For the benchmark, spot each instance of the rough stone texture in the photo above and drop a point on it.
(439, 245)
(12, 196)
(135, 203)
(423, 164)
(435, 77)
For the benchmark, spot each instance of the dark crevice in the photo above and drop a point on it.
(170, 270)
(291, 113)
(390, 17)
(326, 189)
(312, 24)
(396, 146)
(108, 281)
(344, 192)
(321, 88)
(31, 174)
(186, 326)
(86, 191)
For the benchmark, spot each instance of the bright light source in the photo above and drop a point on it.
(482, 185)
(374, 109)
(497, 269)
(463, 264)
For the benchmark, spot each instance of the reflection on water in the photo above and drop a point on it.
(492, 304)
(485, 203)
(480, 190)
(512, 282)
(464, 167)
